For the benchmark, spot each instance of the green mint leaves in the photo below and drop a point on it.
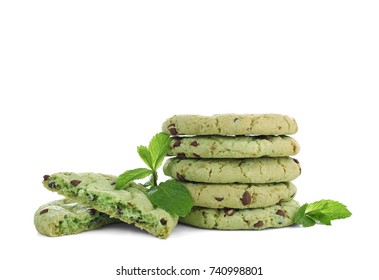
(158, 148)
(131, 175)
(171, 195)
(166, 196)
(153, 156)
(323, 211)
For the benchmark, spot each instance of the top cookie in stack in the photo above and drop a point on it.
(237, 167)
(230, 124)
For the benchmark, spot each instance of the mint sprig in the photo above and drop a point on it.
(170, 195)
(322, 211)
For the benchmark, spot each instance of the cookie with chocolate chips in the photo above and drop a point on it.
(258, 170)
(279, 215)
(240, 196)
(233, 147)
(230, 124)
(97, 190)
(65, 216)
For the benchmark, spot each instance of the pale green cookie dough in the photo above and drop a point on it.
(280, 215)
(230, 124)
(130, 206)
(65, 216)
(233, 147)
(258, 170)
(240, 196)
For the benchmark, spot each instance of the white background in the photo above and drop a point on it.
(82, 83)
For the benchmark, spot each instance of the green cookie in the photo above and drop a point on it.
(64, 216)
(280, 215)
(240, 196)
(130, 206)
(233, 147)
(259, 170)
(230, 124)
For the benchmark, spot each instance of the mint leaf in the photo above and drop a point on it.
(333, 209)
(171, 196)
(131, 175)
(145, 155)
(158, 148)
(323, 211)
(319, 216)
(302, 219)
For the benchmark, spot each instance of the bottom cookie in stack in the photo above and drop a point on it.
(279, 215)
(241, 206)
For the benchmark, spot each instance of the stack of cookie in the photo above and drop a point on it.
(237, 168)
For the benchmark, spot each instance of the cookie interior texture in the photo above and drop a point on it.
(130, 206)
(65, 216)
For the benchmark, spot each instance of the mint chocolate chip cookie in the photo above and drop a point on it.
(233, 147)
(258, 170)
(65, 216)
(280, 215)
(130, 206)
(230, 124)
(240, 196)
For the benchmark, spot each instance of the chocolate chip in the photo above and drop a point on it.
(246, 198)
(180, 177)
(229, 212)
(51, 185)
(280, 213)
(219, 198)
(130, 203)
(75, 182)
(172, 129)
(196, 155)
(194, 143)
(258, 224)
(113, 183)
(177, 143)
(163, 221)
(92, 211)
(181, 155)
(119, 210)
(46, 177)
(44, 211)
